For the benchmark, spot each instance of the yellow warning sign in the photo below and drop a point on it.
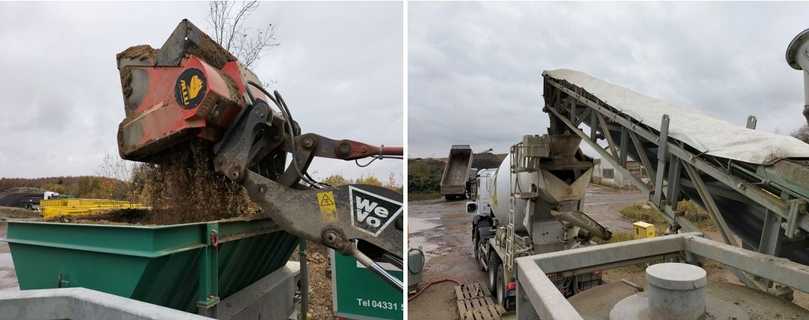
(328, 209)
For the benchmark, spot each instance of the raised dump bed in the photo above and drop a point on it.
(456, 172)
(184, 266)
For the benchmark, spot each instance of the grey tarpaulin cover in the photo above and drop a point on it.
(714, 137)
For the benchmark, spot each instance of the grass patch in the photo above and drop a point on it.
(416, 196)
(643, 212)
(696, 214)
(621, 237)
(689, 209)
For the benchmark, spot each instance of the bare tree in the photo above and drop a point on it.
(113, 166)
(227, 19)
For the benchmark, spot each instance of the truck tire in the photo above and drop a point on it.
(494, 262)
(476, 249)
(500, 292)
(491, 275)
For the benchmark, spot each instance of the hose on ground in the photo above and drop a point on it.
(415, 295)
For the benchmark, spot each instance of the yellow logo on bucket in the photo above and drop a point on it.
(190, 88)
(192, 91)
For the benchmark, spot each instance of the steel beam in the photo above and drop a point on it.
(594, 126)
(673, 182)
(662, 156)
(604, 154)
(770, 234)
(608, 135)
(606, 254)
(644, 159)
(710, 205)
(750, 190)
(780, 270)
(622, 152)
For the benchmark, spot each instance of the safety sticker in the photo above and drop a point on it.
(328, 209)
(371, 212)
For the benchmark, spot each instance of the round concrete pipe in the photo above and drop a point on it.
(676, 291)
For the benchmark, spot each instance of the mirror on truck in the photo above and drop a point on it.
(471, 207)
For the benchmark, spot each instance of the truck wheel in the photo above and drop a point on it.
(476, 249)
(494, 262)
(500, 293)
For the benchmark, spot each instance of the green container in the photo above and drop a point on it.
(363, 294)
(185, 266)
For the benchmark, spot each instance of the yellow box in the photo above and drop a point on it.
(644, 230)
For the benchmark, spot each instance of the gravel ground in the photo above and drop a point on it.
(8, 278)
(320, 302)
(443, 230)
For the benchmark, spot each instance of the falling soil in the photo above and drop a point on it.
(181, 186)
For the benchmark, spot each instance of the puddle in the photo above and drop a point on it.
(417, 225)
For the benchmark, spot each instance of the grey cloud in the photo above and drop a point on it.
(474, 74)
(339, 66)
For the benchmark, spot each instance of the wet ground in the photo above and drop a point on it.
(604, 205)
(443, 230)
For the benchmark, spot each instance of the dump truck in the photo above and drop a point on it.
(532, 204)
(456, 172)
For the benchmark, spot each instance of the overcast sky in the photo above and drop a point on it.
(474, 73)
(339, 67)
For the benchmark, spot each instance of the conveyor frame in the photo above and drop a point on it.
(779, 189)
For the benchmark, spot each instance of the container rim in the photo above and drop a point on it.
(136, 226)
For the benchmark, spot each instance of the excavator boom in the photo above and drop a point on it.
(192, 88)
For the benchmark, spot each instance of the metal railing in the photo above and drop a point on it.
(538, 298)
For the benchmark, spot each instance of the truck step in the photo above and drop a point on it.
(475, 303)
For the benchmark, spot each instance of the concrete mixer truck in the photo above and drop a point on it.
(532, 204)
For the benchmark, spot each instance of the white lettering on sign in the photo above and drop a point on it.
(364, 209)
(379, 304)
(372, 212)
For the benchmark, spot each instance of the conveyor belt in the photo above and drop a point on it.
(759, 181)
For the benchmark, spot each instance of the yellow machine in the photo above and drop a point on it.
(56, 208)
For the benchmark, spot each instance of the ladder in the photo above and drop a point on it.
(515, 245)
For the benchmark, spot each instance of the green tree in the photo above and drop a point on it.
(335, 180)
(369, 180)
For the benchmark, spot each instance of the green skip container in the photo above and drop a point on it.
(187, 267)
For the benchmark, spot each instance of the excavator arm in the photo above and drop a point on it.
(359, 220)
(191, 88)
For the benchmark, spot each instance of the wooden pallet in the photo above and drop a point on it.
(475, 303)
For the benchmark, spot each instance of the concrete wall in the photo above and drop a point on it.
(605, 174)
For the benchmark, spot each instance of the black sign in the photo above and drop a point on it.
(190, 88)
(371, 212)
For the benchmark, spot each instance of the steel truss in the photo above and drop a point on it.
(764, 206)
